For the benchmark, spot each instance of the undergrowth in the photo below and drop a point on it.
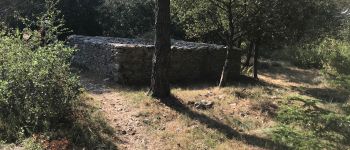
(305, 125)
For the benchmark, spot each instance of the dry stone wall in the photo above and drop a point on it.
(129, 61)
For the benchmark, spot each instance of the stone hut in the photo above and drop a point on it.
(129, 61)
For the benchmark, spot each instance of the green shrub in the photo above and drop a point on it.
(297, 139)
(337, 55)
(37, 90)
(32, 144)
(330, 54)
(305, 127)
(306, 57)
(338, 80)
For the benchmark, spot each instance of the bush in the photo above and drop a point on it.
(339, 80)
(336, 55)
(131, 18)
(330, 54)
(37, 90)
(306, 56)
(311, 127)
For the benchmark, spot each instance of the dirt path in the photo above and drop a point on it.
(129, 129)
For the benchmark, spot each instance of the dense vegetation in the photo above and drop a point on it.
(275, 27)
(34, 82)
(38, 90)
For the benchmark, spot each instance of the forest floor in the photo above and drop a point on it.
(288, 108)
(272, 113)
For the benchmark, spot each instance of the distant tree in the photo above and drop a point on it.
(82, 16)
(258, 22)
(345, 31)
(161, 60)
(213, 17)
(281, 23)
(118, 18)
(11, 9)
(126, 18)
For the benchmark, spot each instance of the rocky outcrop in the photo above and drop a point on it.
(129, 61)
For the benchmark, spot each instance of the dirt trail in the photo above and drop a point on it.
(129, 129)
(292, 77)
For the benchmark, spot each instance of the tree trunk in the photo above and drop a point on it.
(256, 61)
(161, 60)
(249, 55)
(230, 53)
(227, 66)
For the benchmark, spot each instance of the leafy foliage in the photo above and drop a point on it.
(330, 54)
(37, 89)
(82, 16)
(88, 17)
(275, 21)
(130, 18)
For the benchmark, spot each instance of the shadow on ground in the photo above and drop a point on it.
(292, 74)
(289, 74)
(88, 129)
(326, 95)
(97, 84)
(176, 104)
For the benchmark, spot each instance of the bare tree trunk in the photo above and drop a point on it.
(230, 53)
(249, 55)
(256, 61)
(161, 60)
(227, 66)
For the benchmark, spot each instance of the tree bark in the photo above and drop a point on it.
(249, 55)
(160, 87)
(229, 41)
(256, 60)
(227, 66)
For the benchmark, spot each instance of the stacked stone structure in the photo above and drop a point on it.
(129, 61)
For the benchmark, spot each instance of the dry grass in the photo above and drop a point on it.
(242, 116)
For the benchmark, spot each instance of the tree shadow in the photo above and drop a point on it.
(87, 129)
(292, 74)
(176, 104)
(239, 81)
(243, 81)
(98, 85)
(327, 95)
